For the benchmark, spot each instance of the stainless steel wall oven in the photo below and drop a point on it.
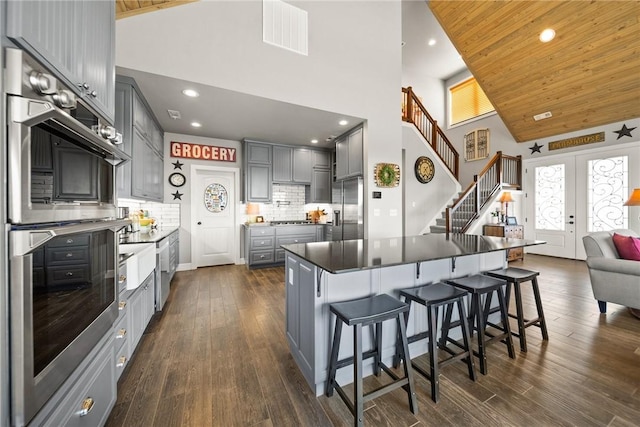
(62, 232)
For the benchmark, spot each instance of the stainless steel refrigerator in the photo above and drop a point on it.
(347, 198)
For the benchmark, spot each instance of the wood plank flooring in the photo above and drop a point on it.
(218, 356)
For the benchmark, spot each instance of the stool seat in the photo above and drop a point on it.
(514, 277)
(432, 297)
(432, 294)
(480, 286)
(368, 310)
(513, 273)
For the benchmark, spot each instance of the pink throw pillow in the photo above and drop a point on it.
(628, 247)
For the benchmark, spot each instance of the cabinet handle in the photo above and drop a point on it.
(262, 243)
(69, 274)
(261, 256)
(69, 241)
(121, 333)
(87, 406)
(122, 278)
(93, 93)
(69, 255)
(295, 240)
(121, 361)
(122, 305)
(84, 85)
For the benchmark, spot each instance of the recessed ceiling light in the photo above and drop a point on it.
(314, 141)
(196, 124)
(431, 42)
(547, 35)
(343, 122)
(190, 93)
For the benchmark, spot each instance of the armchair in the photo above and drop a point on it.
(613, 279)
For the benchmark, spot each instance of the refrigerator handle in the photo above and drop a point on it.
(336, 218)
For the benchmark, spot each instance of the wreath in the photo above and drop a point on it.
(387, 175)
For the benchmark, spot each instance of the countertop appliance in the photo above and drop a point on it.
(347, 198)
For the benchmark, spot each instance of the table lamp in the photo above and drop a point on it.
(634, 199)
(505, 198)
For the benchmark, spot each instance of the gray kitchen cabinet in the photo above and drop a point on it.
(321, 159)
(292, 234)
(143, 140)
(302, 166)
(282, 164)
(258, 153)
(300, 298)
(73, 166)
(262, 243)
(93, 381)
(320, 189)
(349, 154)
(141, 307)
(80, 50)
(258, 183)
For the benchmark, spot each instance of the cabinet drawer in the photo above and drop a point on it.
(95, 391)
(122, 353)
(280, 255)
(120, 332)
(70, 255)
(288, 240)
(261, 231)
(261, 243)
(260, 257)
(68, 275)
(78, 240)
(122, 277)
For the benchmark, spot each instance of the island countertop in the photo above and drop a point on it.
(362, 254)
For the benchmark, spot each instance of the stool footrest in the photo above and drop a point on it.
(349, 360)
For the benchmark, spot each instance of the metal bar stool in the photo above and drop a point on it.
(478, 286)
(433, 297)
(515, 276)
(359, 313)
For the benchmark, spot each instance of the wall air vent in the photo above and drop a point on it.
(175, 115)
(285, 26)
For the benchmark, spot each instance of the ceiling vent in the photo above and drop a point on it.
(285, 26)
(542, 116)
(175, 115)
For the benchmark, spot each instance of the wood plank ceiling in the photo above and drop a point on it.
(127, 8)
(588, 76)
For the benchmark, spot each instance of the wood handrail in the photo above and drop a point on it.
(414, 112)
(502, 171)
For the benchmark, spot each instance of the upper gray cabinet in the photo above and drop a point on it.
(79, 49)
(143, 140)
(291, 165)
(349, 154)
(257, 172)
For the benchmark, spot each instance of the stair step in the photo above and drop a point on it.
(437, 229)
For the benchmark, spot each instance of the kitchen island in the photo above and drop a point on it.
(321, 273)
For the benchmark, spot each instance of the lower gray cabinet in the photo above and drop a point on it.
(141, 307)
(262, 243)
(87, 398)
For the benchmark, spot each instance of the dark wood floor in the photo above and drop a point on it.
(217, 356)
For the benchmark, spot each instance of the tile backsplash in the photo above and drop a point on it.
(167, 214)
(288, 204)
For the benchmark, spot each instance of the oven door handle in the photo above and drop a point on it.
(24, 241)
(30, 112)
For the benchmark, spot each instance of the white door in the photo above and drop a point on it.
(213, 204)
(571, 196)
(551, 212)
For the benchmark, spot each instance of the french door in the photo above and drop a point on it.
(569, 196)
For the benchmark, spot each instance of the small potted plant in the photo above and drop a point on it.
(495, 216)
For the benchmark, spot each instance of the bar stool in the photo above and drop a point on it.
(478, 286)
(515, 276)
(433, 297)
(359, 313)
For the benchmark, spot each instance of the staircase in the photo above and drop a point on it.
(501, 173)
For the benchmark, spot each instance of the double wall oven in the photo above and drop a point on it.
(61, 160)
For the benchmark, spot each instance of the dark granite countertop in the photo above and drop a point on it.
(152, 237)
(351, 255)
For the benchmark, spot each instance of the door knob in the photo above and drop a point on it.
(199, 223)
(570, 222)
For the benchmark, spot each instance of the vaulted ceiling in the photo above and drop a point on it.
(126, 8)
(589, 75)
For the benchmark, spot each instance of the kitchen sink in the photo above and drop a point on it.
(141, 262)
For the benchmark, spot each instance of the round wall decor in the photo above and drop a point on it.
(424, 169)
(177, 179)
(215, 198)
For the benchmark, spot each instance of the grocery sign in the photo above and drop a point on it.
(188, 150)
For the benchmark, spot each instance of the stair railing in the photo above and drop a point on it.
(414, 112)
(500, 173)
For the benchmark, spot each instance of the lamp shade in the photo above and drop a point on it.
(506, 197)
(634, 198)
(253, 208)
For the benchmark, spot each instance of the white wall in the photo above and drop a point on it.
(423, 202)
(185, 202)
(353, 67)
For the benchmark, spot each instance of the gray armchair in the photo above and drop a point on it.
(612, 279)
